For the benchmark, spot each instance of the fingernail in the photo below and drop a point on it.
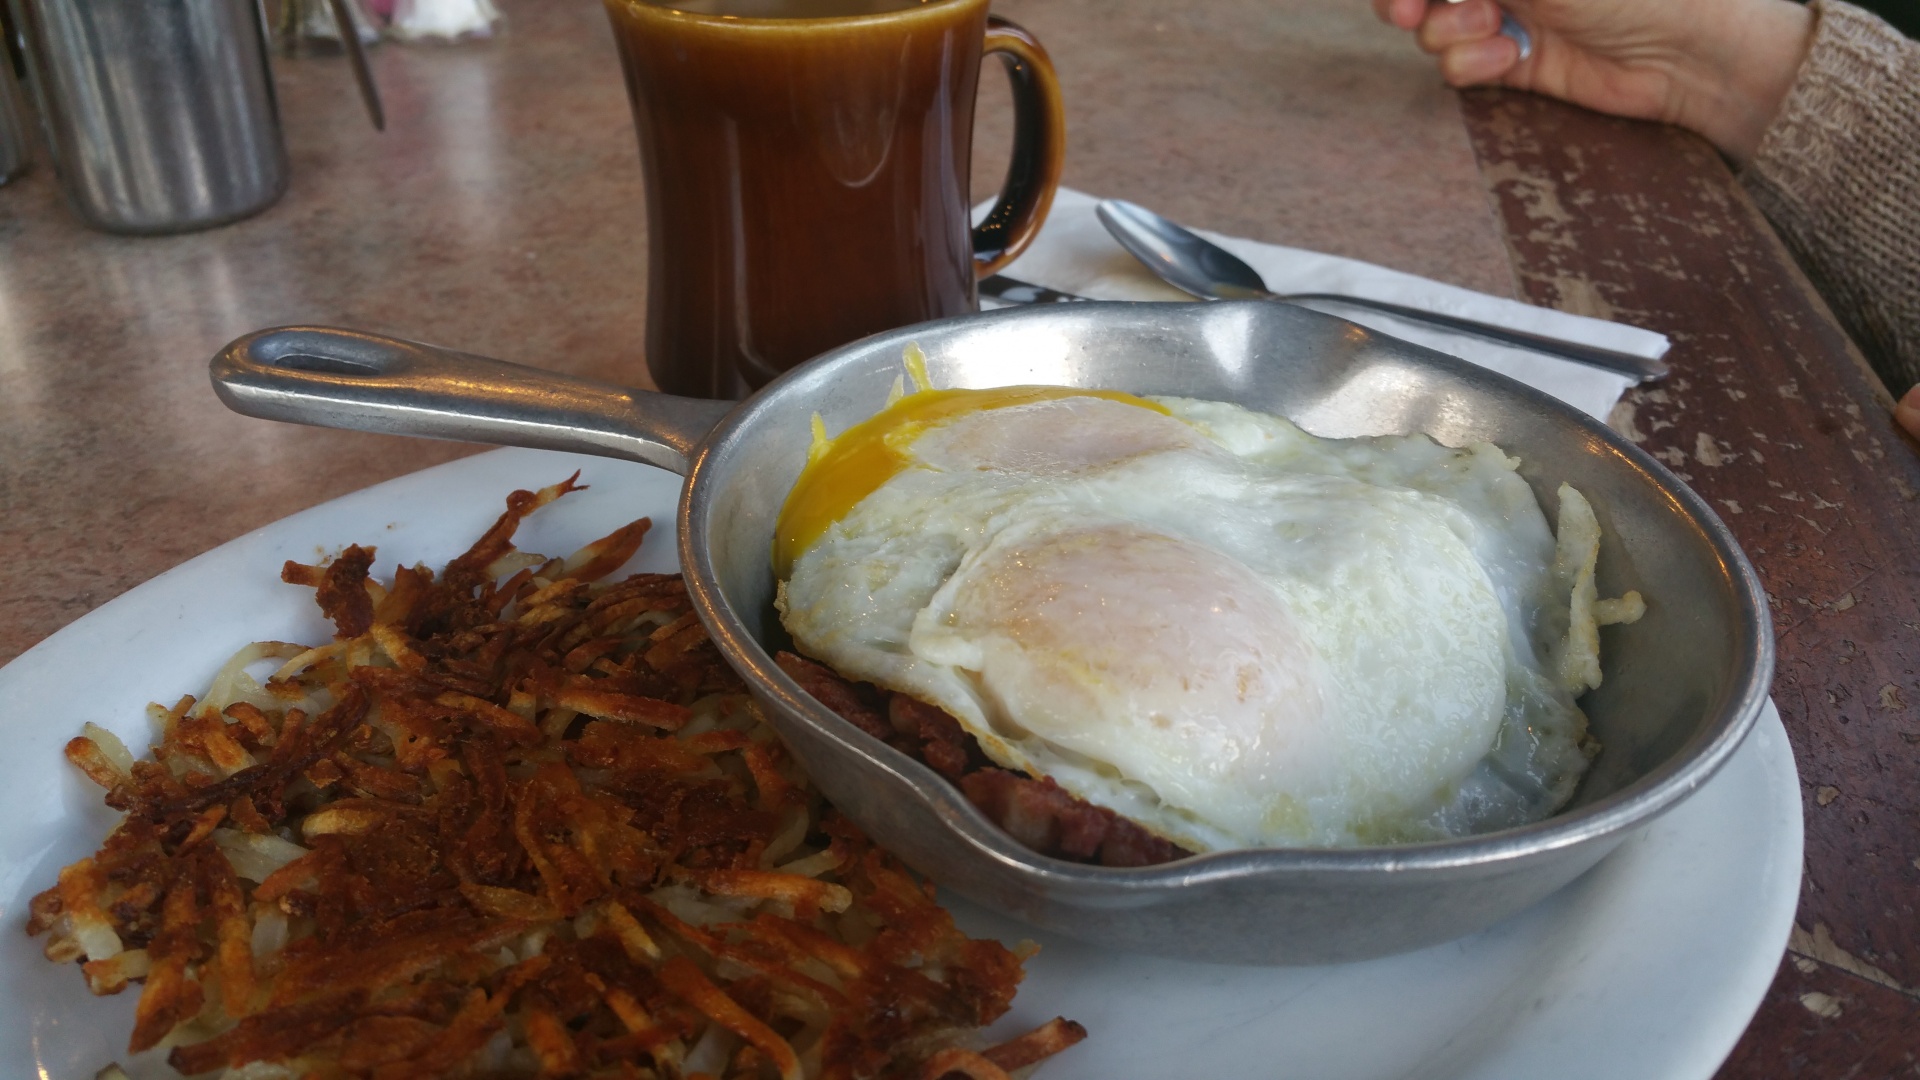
(1907, 412)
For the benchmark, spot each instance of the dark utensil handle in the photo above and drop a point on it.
(1013, 291)
(366, 382)
(357, 57)
(1625, 363)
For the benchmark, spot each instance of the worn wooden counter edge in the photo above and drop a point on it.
(1775, 418)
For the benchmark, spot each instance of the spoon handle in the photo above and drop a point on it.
(1639, 367)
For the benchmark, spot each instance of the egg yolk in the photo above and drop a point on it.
(846, 469)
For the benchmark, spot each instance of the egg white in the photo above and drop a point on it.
(1213, 623)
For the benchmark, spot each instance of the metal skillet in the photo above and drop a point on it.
(1683, 685)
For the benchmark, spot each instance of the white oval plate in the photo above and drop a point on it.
(1648, 966)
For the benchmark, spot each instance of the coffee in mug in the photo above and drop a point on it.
(806, 166)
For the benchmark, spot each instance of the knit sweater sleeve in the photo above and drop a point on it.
(1838, 174)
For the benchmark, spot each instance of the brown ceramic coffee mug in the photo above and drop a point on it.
(806, 166)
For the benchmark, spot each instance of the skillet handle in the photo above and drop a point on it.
(366, 382)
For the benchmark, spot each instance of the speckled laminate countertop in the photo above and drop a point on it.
(501, 213)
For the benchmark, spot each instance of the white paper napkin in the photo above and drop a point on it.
(1074, 253)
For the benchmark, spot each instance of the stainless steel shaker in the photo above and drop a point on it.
(159, 114)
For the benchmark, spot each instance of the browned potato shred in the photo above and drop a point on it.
(509, 822)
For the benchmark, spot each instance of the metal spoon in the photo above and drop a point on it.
(1198, 266)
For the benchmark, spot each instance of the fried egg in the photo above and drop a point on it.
(1201, 617)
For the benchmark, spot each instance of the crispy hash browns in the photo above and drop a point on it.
(506, 828)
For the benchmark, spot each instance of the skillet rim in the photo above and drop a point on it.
(1606, 819)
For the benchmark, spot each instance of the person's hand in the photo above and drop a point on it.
(1719, 67)
(1907, 412)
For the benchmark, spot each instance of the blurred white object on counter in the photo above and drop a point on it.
(414, 19)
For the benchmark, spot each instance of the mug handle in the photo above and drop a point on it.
(1039, 149)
